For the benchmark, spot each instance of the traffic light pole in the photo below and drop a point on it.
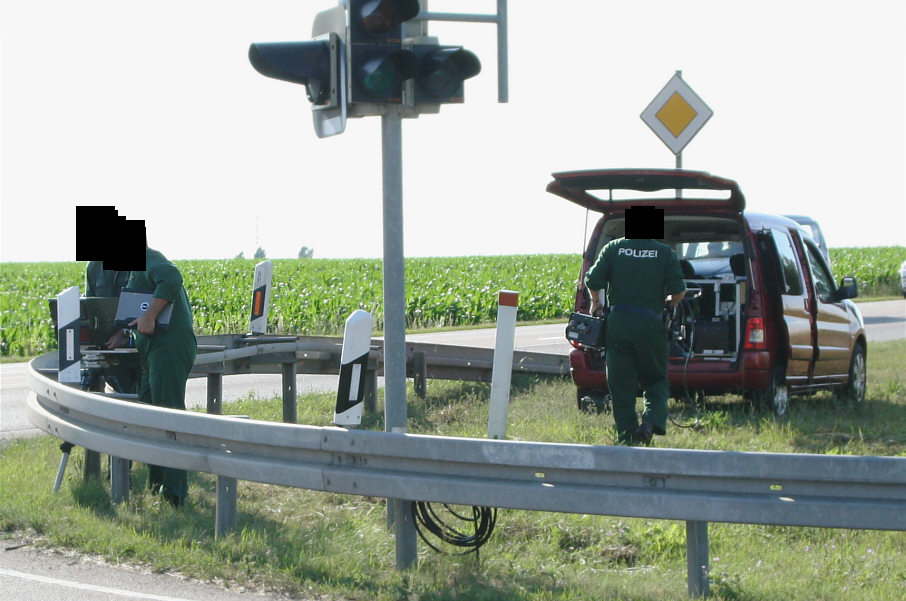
(395, 413)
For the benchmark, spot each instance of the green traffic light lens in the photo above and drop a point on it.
(441, 82)
(380, 80)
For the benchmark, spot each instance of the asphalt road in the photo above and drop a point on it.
(884, 320)
(14, 421)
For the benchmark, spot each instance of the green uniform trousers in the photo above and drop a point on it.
(637, 356)
(166, 359)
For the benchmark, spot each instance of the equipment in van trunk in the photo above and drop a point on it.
(768, 319)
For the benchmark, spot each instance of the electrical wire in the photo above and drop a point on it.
(482, 521)
(688, 352)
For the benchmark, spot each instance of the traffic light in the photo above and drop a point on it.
(319, 65)
(442, 70)
(314, 64)
(378, 63)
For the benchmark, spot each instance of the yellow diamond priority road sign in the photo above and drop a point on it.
(676, 114)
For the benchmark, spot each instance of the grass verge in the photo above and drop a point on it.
(319, 545)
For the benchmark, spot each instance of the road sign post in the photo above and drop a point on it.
(395, 413)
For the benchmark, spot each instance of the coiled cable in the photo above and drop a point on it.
(482, 521)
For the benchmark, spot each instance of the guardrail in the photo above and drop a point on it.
(321, 354)
(230, 354)
(695, 486)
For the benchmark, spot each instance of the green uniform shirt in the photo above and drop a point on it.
(636, 272)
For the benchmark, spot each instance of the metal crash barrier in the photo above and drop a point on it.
(695, 486)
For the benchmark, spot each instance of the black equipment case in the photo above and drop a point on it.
(587, 330)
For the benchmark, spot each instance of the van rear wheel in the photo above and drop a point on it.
(776, 395)
(593, 400)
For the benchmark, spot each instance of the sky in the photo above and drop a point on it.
(153, 107)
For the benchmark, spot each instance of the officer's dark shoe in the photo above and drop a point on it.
(644, 433)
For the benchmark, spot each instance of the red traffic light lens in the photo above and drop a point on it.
(378, 16)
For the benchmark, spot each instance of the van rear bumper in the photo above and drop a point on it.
(712, 376)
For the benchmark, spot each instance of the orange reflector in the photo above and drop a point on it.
(258, 303)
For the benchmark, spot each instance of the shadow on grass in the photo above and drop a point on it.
(92, 495)
(821, 422)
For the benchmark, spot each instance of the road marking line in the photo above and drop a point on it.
(89, 587)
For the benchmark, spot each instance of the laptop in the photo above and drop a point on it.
(133, 303)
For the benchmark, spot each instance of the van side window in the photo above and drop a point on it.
(824, 285)
(789, 266)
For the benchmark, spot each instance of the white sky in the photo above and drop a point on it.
(153, 107)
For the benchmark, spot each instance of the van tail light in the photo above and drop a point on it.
(754, 340)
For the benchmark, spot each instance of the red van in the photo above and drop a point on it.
(766, 320)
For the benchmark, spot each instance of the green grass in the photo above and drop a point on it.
(337, 547)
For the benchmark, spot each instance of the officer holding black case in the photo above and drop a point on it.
(638, 273)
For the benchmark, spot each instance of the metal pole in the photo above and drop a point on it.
(289, 392)
(225, 513)
(697, 560)
(679, 155)
(503, 86)
(119, 480)
(395, 418)
(215, 393)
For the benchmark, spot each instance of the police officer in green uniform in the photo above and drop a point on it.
(638, 274)
(167, 355)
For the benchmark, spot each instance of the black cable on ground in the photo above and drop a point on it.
(688, 352)
(482, 523)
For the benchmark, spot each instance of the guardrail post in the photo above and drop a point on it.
(289, 392)
(215, 393)
(92, 465)
(225, 512)
(370, 402)
(420, 374)
(119, 480)
(697, 560)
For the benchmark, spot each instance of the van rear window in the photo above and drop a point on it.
(789, 265)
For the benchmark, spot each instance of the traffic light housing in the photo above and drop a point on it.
(378, 63)
(314, 64)
(442, 71)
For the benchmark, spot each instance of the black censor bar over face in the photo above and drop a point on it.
(644, 222)
(102, 235)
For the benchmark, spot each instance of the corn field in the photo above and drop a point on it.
(310, 296)
(877, 269)
(315, 296)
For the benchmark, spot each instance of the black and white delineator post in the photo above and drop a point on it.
(353, 363)
(261, 296)
(68, 335)
(502, 370)
(70, 364)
